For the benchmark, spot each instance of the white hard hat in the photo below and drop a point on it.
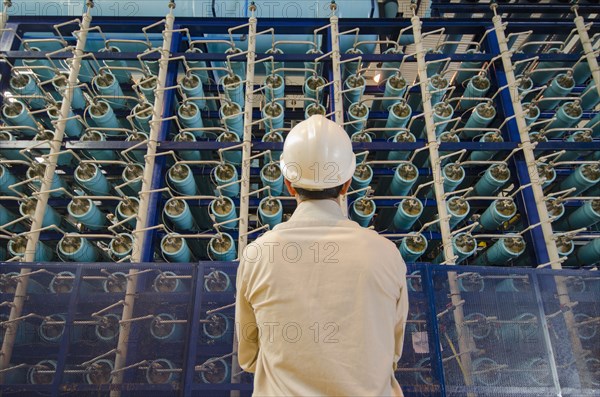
(317, 155)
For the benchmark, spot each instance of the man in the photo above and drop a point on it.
(321, 302)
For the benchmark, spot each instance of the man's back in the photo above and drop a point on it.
(329, 298)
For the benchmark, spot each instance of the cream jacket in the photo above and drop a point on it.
(321, 307)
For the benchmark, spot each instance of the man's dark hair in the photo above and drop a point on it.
(330, 193)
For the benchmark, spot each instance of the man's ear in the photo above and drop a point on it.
(290, 188)
(345, 188)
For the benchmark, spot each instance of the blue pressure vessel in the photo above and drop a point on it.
(479, 327)
(503, 251)
(442, 112)
(363, 175)
(363, 211)
(589, 96)
(559, 87)
(123, 76)
(99, 372)
(107, 329)
(481, 117)
(181, 179)
(485, 373)
(273, 136)
(187, 155)
(178, 212)
(485, 155)
(108, 85)
(514, 284)
(586, 255)
(270, 211)
(467, 69)
(96, 136)
(577, 136)
(271, 176)
(60, 83)
(223, 210)
(231, 156)
(121, 246)
(103, 116)
(404, 178)
(275, 89)
(493, 179)
(219, 327)
(132, 175)
(64, 283)
(453, 175)
(471, 283)
(16, 113)
(24, 85)
(358, 114)
(564, 245)
(408, 212)
(190, 117)
(477, 87)
(168, 282)
(350, 68)
(128, 208)
(398, 117)
(92, 179)
(225, 174)
(547, 172)
(38, 171)
(567, 116)
(313, 88)
(51, 216)
(234, 89)
(412, 247)
(273, 114)
(458, 209)
(7, 178)
(401, 155)
(424, 377)
(164, 376)
(355, 86)
(192, 87)
(313, 109)
(142, 115)
(77, 249)
(231, 114)
(395, 65)
(148, 88)
(463, 246)
(500, 211)
(175, 249)
(532, 113)
(594, 124)
(586, 215)
(218, 372)
(222, 248)
(523, 329)
(437, 86)
(583, 177)
(17, 246)
(315, 68)
(395, 88)
(42, 68)
(7, 216)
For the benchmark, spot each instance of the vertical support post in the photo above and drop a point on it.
(588, 50)
(246, 162)
(536, 189)
(46, 185)
(438, 184)
(140, 232)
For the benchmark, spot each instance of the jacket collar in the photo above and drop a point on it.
(317, 213)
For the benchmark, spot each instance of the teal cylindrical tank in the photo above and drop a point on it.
(567, 116)
(234, 89)
(168, 282)
(523, 329)
(42, 68)
(231, 114)
(440, 85)
(100, 372)
(503, 251)
(271, 176)
(479, 328)
(401, 155)
(408, 212)
(577, 136)
(272, 67)
(51, 216)
(154, 377)
(108, 85)
(222, 248)
(532, 113)
(219, 327)
(463, 246)
(16, 113)
(313, 109)
(34, 377)
(424, 377)
(458, 209)
(192, 86)
(7, 178)
(586, 215)
(169, 332)
(53, 333)
(412, 247)
(559, 87)
(132, 174)
(225, 174)
(275, 89)
(316, 68)
(7, 216)
(178, 212)
(270, 211)
(123, 76)
(218, 281)
(60, 86)
(463, 75)
(147, 87)
(358, 114)
(181, 179)
(555, 209)
(493, 179)
(588, 331)
(355, 86)
(442, 112)
(547, 172)
(273, 115)
(363, 175)
(190, 117)
(565, 246)
(237, 66)
(188, 155)
(142, 115)
(17, 246)
(96, 136)
(313, 88)
(477, 87)
(453, 175)
(203, 74)
(175, 249)
(594, 124)
(433, 68)
(223, 209)
(484, 373)
(405, 176)
(121, 246)
(92, 179)
(513, 285)
(64, 159)
(363, 211)
(471, 283)
(485, 155)
(127, 208)
(231, 156)
(481, 117)
(38, 171)
(387, 74)
(104, 117)
(107, 329)
(64, 282)
(219, 372)
(11, 154)
(350, 68)
(586, 255)
(542, 77)
(524, 85)
(25, 85)
(583, 177)
(398, 117)
(395, 88)
(137, 155)
(77, 249)
(414, 283)
(497, 213)
(589, 96)
(536, 372)
(273, 136)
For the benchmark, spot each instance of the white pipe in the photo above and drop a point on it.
(463, 344)
(588, 49)
(141, 226)
(42, 200)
